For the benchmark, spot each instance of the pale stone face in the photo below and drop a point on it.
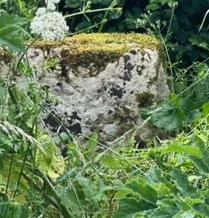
(108, 100)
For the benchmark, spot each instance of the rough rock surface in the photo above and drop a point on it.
(102, 92)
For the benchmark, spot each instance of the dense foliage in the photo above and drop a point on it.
(169, 178)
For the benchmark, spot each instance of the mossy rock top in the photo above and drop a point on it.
(99, 48)
(107, 42)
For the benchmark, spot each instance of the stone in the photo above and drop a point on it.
(102, 82)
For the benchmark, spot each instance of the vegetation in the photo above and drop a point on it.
(169, 178)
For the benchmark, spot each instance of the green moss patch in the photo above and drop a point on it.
(99, 49)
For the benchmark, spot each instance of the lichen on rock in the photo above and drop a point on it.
(102, 81)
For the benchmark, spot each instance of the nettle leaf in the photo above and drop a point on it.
(8, 19)
(129, 208)
(183, 182)
(10, 26)
(169, 118)
(201, 163)
(14, 44)
(203, 209)
(155, 175)
(165, 212)
(146, 192)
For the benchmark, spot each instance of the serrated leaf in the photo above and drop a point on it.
(155, 175)
(128, 208)
(168, 117)
(11, 19)
(146, 192)
(200, 164)
(183, 182)
(165, 212)
(202, 209)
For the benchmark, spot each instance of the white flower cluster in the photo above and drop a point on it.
(48, 23)
(50, 4)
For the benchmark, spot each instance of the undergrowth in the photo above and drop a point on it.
(167, 179)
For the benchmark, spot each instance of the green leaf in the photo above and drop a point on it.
(146, 192)
(206, 111)
(165, 212)
(202, 209)
(10, 25)
(186, 149)
(7, 20)
(111, 162)
(155, 175)
(14, 44)
(87, 187)
(8, 31)
(168, 117)
(183, 182)
(123, 192)
(200, 164)
(92, 145)
(71, 197)
(153, 7)
(128, 208)
(73, 3)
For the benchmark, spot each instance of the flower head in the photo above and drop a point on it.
(50, 25)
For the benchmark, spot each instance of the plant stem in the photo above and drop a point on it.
(90, 11)
(64, 210)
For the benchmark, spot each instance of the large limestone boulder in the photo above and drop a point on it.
(102, 82)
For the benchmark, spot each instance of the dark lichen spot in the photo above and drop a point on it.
(133, 52)
(69, 121)
(75, 116)
(110, 112)
(59, 84)
(64, 70)
(127, 75)
(140, 69)
(145, 99)
(116, 91)
(128, 67)
(75, 128)
(53, 121)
